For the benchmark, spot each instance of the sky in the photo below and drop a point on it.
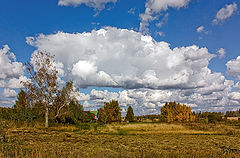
(142, 53)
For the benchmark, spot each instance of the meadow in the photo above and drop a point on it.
(121, 140)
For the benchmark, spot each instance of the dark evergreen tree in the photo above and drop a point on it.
(130, 114)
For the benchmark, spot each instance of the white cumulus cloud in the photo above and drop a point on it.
(9, 68)
(112, 57)
(225, 13)
(233, 68)
(11, 74)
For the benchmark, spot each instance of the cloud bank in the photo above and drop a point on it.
(150, 71)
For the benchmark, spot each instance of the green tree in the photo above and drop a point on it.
(130, 114)
(110, 112)
(76, 112)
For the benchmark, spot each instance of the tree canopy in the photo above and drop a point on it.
(110, 112)
(173, 111)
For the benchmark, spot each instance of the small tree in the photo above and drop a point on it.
(22, 100)
(102, 116)
(130, 114)
(42, 87)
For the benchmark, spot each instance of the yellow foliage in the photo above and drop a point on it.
(173, 111)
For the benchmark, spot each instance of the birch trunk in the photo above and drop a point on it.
(46, 117)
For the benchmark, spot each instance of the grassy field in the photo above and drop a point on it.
(122, 140)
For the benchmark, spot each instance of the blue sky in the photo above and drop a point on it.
(27, 18)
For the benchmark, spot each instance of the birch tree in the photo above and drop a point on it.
(42, 86)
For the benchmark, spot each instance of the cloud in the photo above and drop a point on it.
(163, 21)
(235, 96)
(132, 11)
(6, 102)
(83, 69)
(221, 53)
(96, 4)
(225, 13)
(147, 101)
(16, 82)
(11, 71)
(9, 93)
(237, 85)
(201, 29)
(233, 68)
(154, 8)
(9, 68)
(112, 57)
(150, 72)
(160, 33)
(11, 74)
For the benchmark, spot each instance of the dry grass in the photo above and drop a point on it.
(119, 140)
(162, 128)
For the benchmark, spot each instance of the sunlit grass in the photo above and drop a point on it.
(120, 140)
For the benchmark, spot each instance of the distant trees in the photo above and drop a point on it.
(173, 111)
(233, 113)
(130, 115)
(209, 117)
(110, 112)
